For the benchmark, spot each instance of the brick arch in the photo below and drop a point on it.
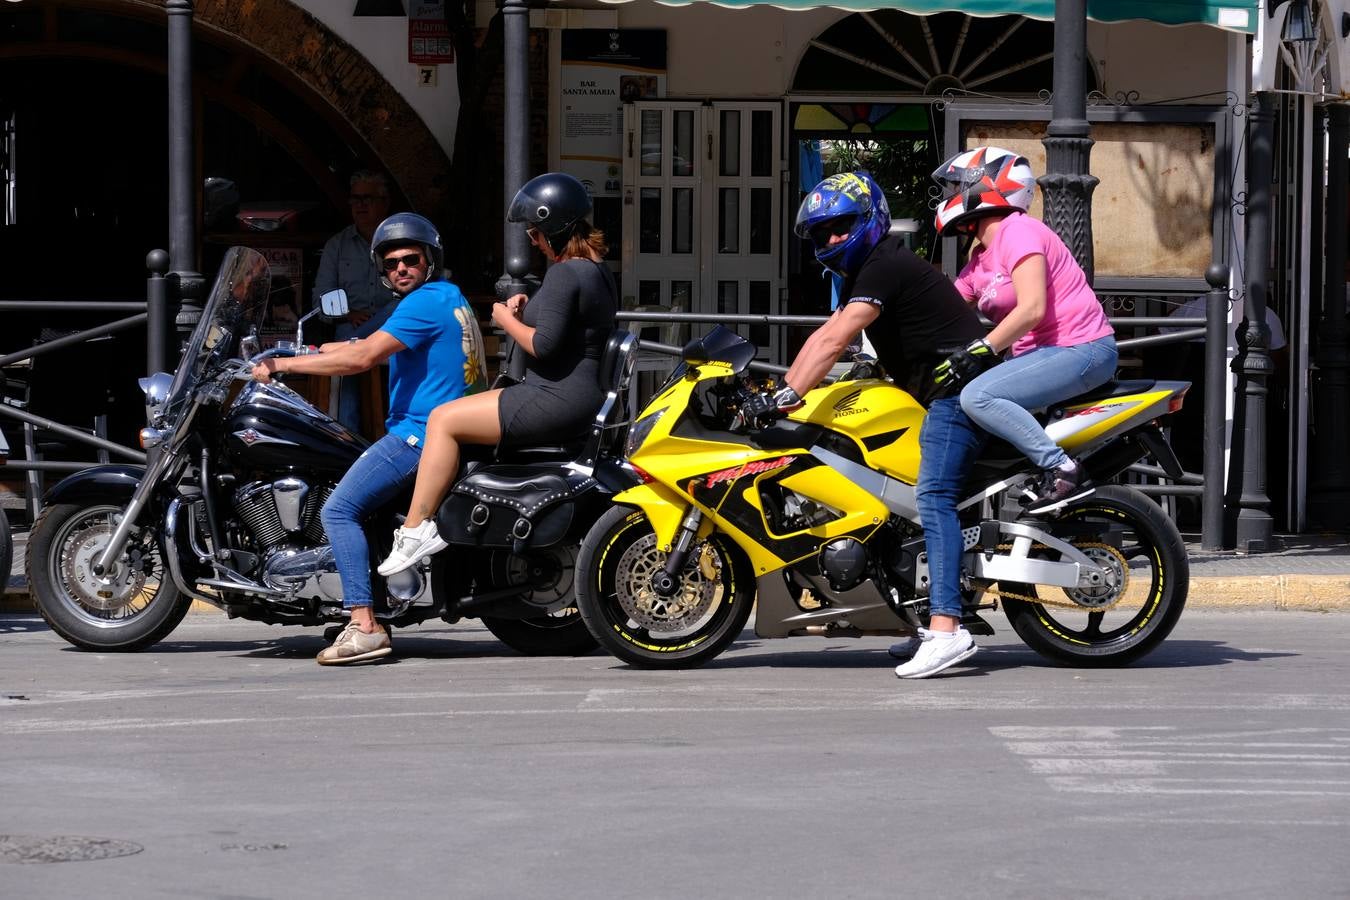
(359, 98)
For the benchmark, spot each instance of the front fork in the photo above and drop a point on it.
(666, 580)
(154, 472)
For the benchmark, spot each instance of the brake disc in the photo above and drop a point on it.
(664, 615)
(111, 591)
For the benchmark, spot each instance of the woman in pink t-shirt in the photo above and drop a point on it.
(1023, 277)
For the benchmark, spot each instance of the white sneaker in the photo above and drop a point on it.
(936, 653)
(907, 648)
(410, 545)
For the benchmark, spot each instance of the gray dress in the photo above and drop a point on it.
(572, 315)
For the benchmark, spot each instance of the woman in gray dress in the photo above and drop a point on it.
(562, 330)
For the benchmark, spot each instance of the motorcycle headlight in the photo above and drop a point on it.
(156, 389)
(639, 430)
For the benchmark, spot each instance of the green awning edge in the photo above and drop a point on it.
(1233, 15)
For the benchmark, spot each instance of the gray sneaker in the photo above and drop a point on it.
(353, 646)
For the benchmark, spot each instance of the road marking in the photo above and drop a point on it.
(1154, 819)
(1148, 761)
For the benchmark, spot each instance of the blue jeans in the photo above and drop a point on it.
(998, 401)
(949, 443)
(387, 467)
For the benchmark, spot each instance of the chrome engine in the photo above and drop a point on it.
(282, 511)
(282, 517)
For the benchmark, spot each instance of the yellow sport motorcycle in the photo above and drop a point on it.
(814, 519)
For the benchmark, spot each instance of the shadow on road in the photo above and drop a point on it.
(21, 624)
(801, 655)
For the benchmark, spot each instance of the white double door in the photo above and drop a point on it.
(702, 213)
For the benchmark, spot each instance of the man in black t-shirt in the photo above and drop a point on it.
(915, 319)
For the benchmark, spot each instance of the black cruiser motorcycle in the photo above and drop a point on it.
(226, 511)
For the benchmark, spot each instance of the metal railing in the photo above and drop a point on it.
(151, 313)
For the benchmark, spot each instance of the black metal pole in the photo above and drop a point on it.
(1216, 355)
(157, 309)
(516, 158)
(186, 282)
(1247, 503)
(1066, 186)
(1329, 494)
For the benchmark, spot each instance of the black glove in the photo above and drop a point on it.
(763, 408)
(964, 365)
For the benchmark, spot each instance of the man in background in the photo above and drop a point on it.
(346, 264)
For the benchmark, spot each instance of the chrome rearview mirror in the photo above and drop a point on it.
(334, 304)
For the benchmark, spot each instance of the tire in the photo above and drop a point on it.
(1149, 576)
(632, 622)
(144, 605)
(561, 634)
(549, 576)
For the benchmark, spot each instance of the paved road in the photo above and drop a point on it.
(1220, 767)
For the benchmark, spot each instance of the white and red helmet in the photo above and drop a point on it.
(985, 181)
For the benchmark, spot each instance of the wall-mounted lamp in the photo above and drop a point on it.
(1298, 27)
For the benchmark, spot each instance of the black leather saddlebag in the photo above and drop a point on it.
(513, 507)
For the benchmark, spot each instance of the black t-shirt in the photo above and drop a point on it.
(922, 318)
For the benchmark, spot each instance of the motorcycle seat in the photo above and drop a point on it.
(1112, 389)
(552, 453)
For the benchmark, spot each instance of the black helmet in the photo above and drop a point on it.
(402, 229)
(553, 203)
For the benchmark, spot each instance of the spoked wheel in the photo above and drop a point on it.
(1136, 604)
(643, 628)
(549, 574)
(128, 608)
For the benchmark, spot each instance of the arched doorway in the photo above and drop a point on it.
(285, 110)
(864, 96)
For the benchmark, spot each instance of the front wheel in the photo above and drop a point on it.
(1140, 600)
(129, 608)
(643, 628)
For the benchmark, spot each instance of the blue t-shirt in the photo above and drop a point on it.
(443, 360)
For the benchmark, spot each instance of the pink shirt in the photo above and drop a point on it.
(1073, 315)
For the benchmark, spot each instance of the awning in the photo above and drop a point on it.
(1233, 15)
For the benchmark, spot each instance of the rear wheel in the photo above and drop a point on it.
(550, 575)
(1140, 600)
(128, 608)
(614, 593)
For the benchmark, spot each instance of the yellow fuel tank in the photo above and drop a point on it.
(880, 417)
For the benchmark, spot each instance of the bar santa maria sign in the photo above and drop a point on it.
(428, 35)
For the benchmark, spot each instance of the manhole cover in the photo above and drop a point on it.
(31, 848)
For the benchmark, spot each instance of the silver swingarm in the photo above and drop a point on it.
(1015, 563)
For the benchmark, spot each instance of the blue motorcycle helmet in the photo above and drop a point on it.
(850, 204)
(403, 230)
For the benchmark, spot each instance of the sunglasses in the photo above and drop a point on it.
(839, 226)
(365, 199)
(411, 260)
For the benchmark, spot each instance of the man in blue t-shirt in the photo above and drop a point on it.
(435, 354)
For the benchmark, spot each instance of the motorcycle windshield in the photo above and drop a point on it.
(721, 345)
(236, 305)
